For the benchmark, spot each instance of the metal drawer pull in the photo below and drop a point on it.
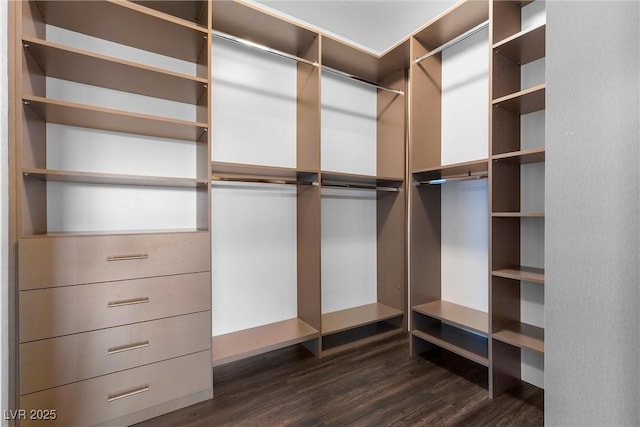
(131, 301)
(127, 347)
(127, 257)
(128, 393)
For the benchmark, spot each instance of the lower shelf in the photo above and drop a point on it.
(522, 335)
(356, 326)
(239, 345)
(466, 344)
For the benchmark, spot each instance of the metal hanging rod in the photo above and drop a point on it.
(346, 186)
(361, 80)
(456, 40)
(263, 48)
(457, 178)
(262, 180)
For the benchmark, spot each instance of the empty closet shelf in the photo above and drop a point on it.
(522, 335)
(523, 102)
(465, 344)
(533, 155)
(458, 315)
(343, 320)
(112, 179)
(88, 116)
(523, 47)
(527, 274)
(225, 171)
(239, 345)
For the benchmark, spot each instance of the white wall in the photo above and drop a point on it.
(349, 231)
(592, 307)
(4, 214)
(254, 265)
(464, 205)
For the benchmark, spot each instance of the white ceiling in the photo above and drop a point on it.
(375, 25)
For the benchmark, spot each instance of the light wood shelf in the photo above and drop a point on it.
(533, 155)
(527, 274)
(262, 339)
(454, 169)
(523, 47)
(113, 233)
(343, 320)
(523, 102)
(87, 116)
(189, 10)
(458, 315)
(242, 170)
(112, 179)
(340, 178)
(138, 26)
(517, 214)
(522, 335)
(465, 344)
(68, 63)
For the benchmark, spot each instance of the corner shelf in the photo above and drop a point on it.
(522, 157)
(87, 116)
(68, 63)
(457, 315)
(239, 345)
(523, 47)
(527, 274)
(96, 19)
(112, 179)
(523, 102)
(343, 320)
(522, 335)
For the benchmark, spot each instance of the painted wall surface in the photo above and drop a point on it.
(592, 335)
(464, 209)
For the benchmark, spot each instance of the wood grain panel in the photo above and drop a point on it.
(48, 313)
(65, 261)
(506, 76)
(391, 217)
(308, 255)
(505, 131)
(469, 346)
(505, 368)
(506, 19)
(523, 47)
(455, 314)
(58, 361)
(505, 247)
(390, 129)
(308, 109)
(506, 187)
(339, 321)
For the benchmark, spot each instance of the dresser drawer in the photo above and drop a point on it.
(57, 361)
(48, 313)
(100, 399)
(61, 261)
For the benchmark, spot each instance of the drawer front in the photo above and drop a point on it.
(57, 361)
(48, 313)
(100, 399)
(61, 261)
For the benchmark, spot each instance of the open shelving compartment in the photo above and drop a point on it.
(363, 194)
(517, 196)
(449, 66)
(58, 77)
(264, 303)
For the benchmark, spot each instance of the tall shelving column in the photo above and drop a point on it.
(385, 314)
(241, 26)
(95, 281)
(435, 321)
(514, 49)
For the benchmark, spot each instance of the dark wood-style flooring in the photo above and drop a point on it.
(375, 385)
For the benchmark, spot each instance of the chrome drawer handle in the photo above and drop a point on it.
(127, 257)
(127, 347)
(128, 393)
(131, 301)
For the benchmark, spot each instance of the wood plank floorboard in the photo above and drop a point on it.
(375, 385)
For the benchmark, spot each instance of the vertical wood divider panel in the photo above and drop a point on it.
(426, 109)
(506, 14)
(390, 129)
(308, 109)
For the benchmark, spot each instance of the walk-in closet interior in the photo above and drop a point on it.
(199, 182)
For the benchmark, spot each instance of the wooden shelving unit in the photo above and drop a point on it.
(513, 47)
(112, 179)
(343, 320)
(239, 345)
(434, 321)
